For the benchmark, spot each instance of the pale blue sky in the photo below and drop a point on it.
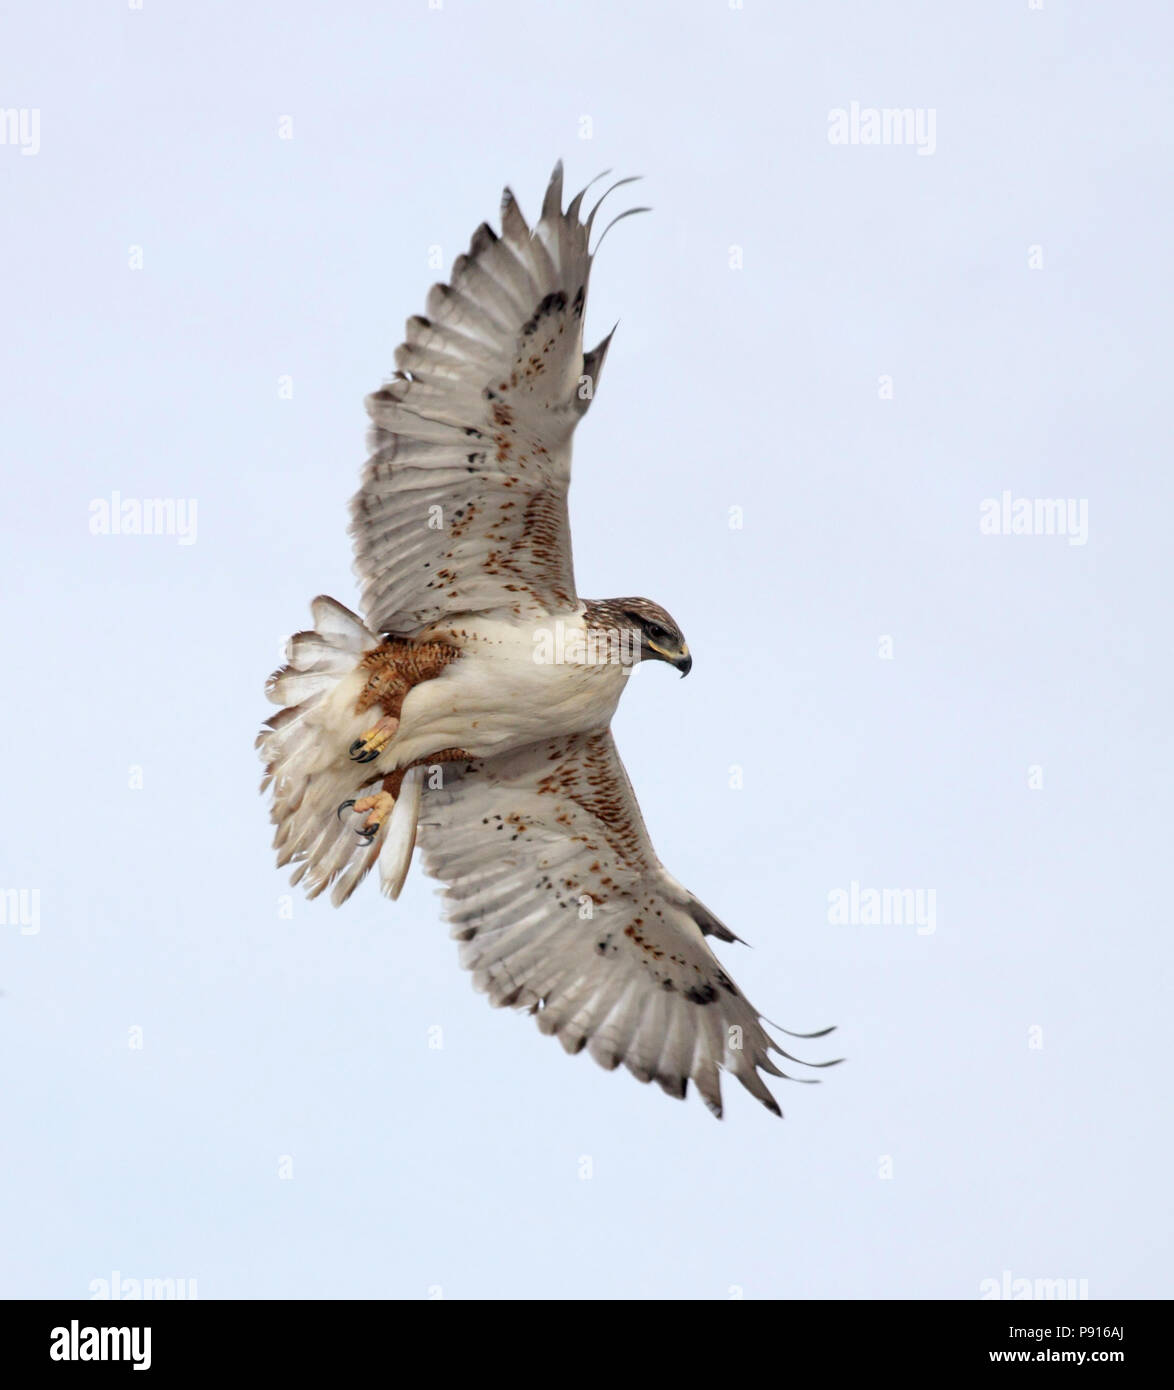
(760, 388)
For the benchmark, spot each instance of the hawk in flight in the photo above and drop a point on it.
(468, 711)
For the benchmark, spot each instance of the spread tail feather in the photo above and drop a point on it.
(304, 748)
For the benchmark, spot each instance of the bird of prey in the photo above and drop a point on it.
(468, 710)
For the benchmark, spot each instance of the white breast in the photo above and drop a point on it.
(514, 684)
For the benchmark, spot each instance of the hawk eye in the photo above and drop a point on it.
(656, 632)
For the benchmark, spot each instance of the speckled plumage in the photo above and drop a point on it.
(477, 699)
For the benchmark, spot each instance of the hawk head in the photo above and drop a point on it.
(658, 638)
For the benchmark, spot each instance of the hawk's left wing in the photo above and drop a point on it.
(463, 504)
(561, 907)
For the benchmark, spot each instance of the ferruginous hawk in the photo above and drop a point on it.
(469, 709)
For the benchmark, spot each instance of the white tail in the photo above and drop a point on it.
(305, 751)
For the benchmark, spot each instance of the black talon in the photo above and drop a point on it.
(369, 834)
(368, 757)
(343, 807)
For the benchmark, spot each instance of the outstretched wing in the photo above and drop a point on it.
(561, 907)
(463, 504)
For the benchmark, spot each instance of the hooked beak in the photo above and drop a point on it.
(681, 660)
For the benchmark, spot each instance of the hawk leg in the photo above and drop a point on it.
(368, 746)
(378, 808)
(391, 783)
(393, 668)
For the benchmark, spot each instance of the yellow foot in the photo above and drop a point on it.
(377, 808)
(368, 747)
